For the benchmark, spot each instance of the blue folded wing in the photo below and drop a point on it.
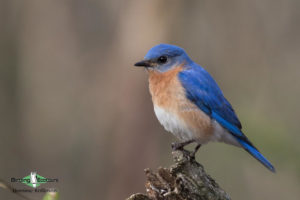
(202, 90)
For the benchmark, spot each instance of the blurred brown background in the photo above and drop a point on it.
(73, 107)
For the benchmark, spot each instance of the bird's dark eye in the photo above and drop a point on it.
(162, 59)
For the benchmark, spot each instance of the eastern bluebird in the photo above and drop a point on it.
(189, 103)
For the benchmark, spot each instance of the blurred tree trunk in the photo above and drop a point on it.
(136, 142)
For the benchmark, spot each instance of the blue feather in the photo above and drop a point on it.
(202, 90)
(230, 127)
(256, 154)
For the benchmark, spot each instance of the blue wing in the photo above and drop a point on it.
(202, 90)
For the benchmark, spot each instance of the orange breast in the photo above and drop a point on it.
(168, 93)
(165, 87)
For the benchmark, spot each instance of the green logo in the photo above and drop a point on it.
(33, 180)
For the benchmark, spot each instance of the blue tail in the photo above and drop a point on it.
(256, 154)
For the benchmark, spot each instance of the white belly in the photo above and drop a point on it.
(179, 129)
(173, 124)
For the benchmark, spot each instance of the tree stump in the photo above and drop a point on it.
(186, 179)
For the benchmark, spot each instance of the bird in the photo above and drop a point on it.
(189, 103)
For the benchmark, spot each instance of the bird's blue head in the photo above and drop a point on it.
(164, 57)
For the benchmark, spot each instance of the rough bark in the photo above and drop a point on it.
(186, 179)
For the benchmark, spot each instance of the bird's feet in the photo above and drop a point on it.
(180, 147)
(176, 146)
(193, 154)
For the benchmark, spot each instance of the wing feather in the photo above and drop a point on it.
(203, 91)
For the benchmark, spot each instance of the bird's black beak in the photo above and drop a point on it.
(143, 63)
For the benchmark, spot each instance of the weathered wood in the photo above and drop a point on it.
(186, 179)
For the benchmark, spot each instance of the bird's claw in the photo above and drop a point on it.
(188, 154)
(176, 146)
(180, 147)
(192, 155)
